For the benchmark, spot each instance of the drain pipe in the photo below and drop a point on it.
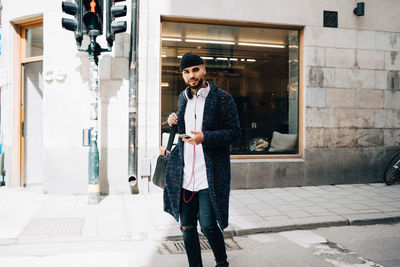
(2, 168)
(133, 104)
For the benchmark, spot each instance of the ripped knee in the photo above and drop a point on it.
(187, 228)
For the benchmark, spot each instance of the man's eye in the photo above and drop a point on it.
(195, 69)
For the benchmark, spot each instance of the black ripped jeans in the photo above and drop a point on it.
(200, 208)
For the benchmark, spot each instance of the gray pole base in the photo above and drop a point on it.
(94, 197)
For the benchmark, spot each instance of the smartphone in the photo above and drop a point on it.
(183, 136)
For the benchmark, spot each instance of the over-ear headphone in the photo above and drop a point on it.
(188, 93)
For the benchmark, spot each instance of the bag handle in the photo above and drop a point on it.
(172, 133)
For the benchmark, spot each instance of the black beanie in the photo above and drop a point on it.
(189, 59)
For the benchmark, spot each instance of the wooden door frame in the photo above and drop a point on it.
(20, 29)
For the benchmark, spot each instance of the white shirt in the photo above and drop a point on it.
(194, 171)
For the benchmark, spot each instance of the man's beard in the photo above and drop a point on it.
(197, 86)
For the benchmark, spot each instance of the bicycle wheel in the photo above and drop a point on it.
(392, 172)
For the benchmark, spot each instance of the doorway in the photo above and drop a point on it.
(32, 130)
(31, 103)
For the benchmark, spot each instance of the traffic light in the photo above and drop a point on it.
(71, 9)
(75, 24)
(92, 17)
(112, 27)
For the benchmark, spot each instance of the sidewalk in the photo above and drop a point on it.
(27, 217)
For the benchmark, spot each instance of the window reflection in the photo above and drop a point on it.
(34, 42)
(257, 66)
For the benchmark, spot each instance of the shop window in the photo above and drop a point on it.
(258, 66)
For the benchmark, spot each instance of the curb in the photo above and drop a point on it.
(314, 225)
(311, 224)
(288, 227)
(368, 221)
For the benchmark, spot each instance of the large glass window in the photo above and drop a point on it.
(257, 66)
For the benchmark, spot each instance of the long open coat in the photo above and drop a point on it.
(220, 128)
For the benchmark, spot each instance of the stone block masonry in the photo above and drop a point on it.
(352, 91)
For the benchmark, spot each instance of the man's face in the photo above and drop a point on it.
(193, 76)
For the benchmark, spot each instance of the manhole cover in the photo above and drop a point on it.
(54, 227)
(178, 247)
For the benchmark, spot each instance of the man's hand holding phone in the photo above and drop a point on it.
(184, 136)
(197, 138)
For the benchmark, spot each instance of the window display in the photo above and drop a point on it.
(257, 66)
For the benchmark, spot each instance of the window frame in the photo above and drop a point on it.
(300, 29)
(20, 28)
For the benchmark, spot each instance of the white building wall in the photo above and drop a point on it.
(66, 103)
(149, 95)
(371, 41)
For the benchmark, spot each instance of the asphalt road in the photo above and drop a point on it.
(370, 245)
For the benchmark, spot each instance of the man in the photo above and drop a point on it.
(198, 170)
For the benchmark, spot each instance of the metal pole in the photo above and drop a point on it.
(132, 156)
(94, 187)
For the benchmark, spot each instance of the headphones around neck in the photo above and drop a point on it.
(189, 94)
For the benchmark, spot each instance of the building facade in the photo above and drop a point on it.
(317, 89)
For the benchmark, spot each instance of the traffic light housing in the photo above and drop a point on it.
(112, 27)
(89, 19)
(74, 24)
(92, 17)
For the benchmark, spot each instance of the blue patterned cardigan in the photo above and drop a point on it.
(220, 128)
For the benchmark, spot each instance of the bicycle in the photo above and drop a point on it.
(392, 172)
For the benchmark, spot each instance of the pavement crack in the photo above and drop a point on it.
(341, 256)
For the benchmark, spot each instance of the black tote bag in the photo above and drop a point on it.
(158, 177)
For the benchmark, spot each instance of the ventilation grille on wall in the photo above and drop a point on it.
(330, 19)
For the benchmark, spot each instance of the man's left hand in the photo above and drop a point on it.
(197, 138)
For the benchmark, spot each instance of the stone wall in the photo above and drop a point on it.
(352, 88)
(351, 114)
(352, 97)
